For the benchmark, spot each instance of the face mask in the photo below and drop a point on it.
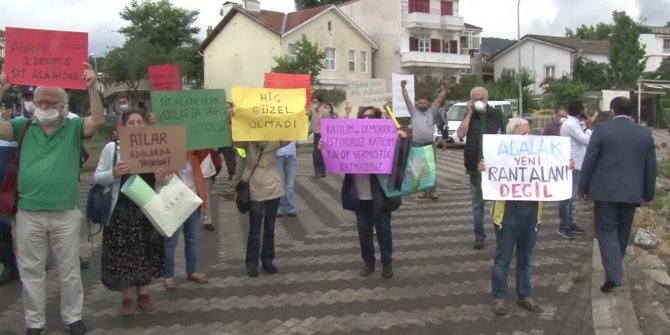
(315, 106)
(46, 116)
(29, 106)
(562, 119)
(480, 106)
(422, 109)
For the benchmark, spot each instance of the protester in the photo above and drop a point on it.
(423, 123)
(10, 270)
(193, 177)
(516, 225)
(362, 194)
(133, 252)
(287, 162)
(49, 163)
(579, 139)
(230, 156)
(330, 111)
(27, 105)
(553, 128)
(318, 112)
(618, 174)
(486, 120)
(210, 166)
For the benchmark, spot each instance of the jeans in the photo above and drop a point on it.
(565, 207)
(191, 233)
(317, 158)
(477, 211)
(366, 220)
(261, 213)
(286, 166)
(7, 257)
(519, 228)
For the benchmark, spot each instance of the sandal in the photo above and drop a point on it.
(126, 307)
(198, 278)
(170, 284)
(144, 303)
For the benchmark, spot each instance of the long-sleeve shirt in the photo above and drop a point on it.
(579, 139)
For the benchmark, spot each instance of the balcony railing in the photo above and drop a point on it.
(435, 59)
(423, 20)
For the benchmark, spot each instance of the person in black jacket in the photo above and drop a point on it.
(362, 194)
(618, 174)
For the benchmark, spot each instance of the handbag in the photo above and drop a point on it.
(420, 173)
(166, 209)
(9, 187)
(243, 197)
(99, 201)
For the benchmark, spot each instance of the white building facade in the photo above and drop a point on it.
(656, 41)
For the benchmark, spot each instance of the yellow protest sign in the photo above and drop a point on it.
(269, 114)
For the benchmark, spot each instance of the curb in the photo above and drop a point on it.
(611, 313)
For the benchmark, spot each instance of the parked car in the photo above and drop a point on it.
(457, 112)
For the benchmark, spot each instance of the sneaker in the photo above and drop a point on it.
(252, 271)
(270, 268)
(577, 230)
(208, 227)
(479, 244)
(565, 233)
(77, 328)
(126, 307)
(387, 272)
(433, 196)
(498, 307)
(608, 286)
(368, 269)
(530, 305)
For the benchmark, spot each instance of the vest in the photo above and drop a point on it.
(494, 125)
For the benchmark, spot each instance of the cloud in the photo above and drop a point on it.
(657, 12)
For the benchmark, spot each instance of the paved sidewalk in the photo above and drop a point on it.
(441, 284)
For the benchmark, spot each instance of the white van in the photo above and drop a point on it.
(457, 112)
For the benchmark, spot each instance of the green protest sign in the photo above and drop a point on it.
(203, 112)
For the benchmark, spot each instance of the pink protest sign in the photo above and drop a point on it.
(165, 77)
(358, 146)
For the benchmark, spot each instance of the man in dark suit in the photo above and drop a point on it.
(619, 174)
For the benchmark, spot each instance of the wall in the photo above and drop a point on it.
(240, 55)
(654, 50)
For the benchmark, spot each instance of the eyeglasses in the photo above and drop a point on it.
(47, 104)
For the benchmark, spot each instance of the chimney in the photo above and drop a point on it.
(667, 24)
(227, 6)
(253, 6)
(209, 30)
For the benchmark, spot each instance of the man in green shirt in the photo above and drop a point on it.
(48, 196)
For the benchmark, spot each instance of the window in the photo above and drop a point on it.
(435, 45)
(413, 44)
(330, 26)
(424, 43)
(364, 61)
(475, 42)
(447, 7)
(419, 6)
(549, 71)
(666, 46)
(352, 61)
(329, 62)
(453, 46)
(291, 52)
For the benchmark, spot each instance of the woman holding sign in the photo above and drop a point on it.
(132, 250)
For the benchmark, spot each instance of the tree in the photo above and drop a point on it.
(663, 71)
(596, 76)
(308, 60)
(129, 64)
(626, 55)
(559, 92)
(160, 22)
(599, 32)
(461, 90)
(507, 87)
(304, 4)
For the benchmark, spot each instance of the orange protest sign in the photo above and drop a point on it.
(146, 149)
(289, 80)
(165, 77)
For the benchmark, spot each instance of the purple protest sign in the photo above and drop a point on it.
(358, 146)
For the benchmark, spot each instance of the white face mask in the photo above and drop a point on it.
(29, 106)
(480, 106)
(561, 120)
(46, 116)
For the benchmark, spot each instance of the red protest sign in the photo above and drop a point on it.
(46, 57)
(289, 80)
(165, 77)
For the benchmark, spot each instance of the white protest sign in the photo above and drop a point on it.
(527, 168)
(399, 107)
(609, 95)
(367, 93)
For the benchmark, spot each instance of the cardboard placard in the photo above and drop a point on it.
(290, 80)
(399, 106)
(146, 149)
(359, 146)
(269, 114)
(203, 112)
(165, 77)
(46, 57)
(367, 93)
(528, 168)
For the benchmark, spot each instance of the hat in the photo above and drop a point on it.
(28, 90)
(6, 102)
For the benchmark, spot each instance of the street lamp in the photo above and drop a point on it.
(518, 50)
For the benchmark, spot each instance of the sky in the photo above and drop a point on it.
(497, 17)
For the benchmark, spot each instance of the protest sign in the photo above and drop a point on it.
(269, 114)
(367, 93)
(46, 57)
(289, 80)
(528, 168)
(165, 77)
(203, 112)
(399, 106)
(358, 145)
(146, 149)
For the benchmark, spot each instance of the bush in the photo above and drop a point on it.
(334, 96)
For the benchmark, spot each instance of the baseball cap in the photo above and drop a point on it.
(28, 90)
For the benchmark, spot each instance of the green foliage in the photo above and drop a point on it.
(507, 87)
(461, 89)
(626, 55)
(308, 60)
(663, 71)
(334, 96)
(304, 4)
(559, 92)
(129, 64)
(599, 32)
(162, 23)
(426, 88)
(596, 76)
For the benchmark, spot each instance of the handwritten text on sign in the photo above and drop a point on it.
(203, 112)
(367, 93)
(358, 146)
(46, 57)
(269, 114)
(165, 77)
(532, 168)
(146, 149)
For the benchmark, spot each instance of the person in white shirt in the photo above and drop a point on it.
(579, 140)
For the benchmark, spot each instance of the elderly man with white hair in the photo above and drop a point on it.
(48, 198)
